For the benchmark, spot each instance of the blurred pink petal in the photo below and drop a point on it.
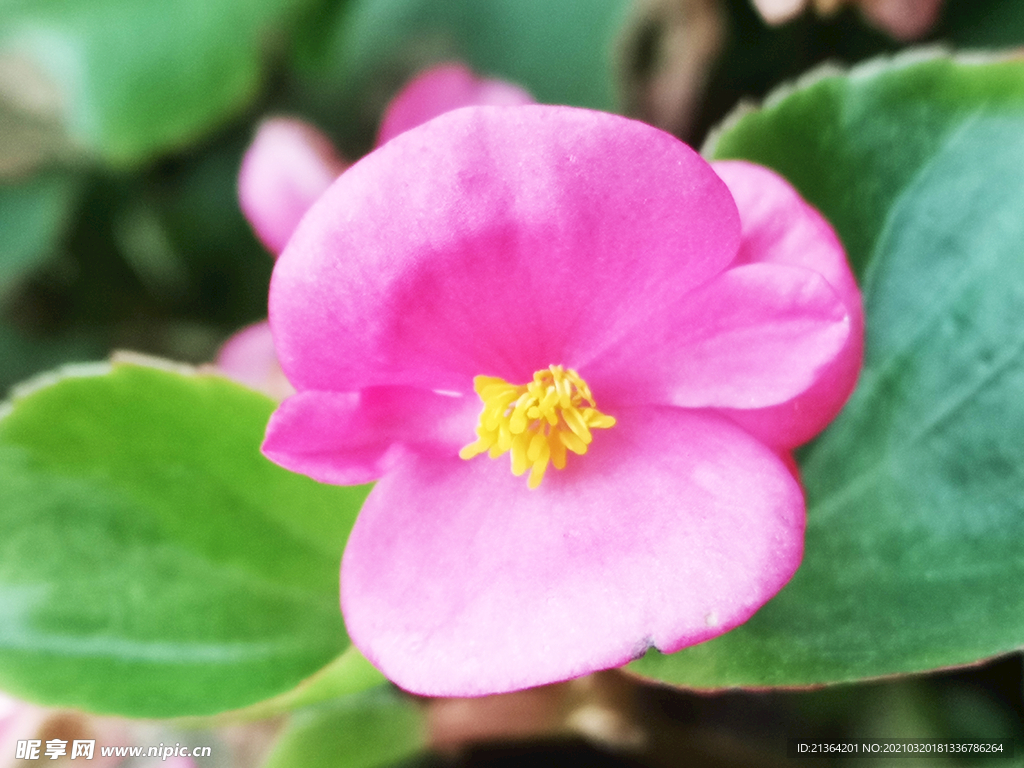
(780, 11)
(287, 166)
(441, 89)
(249, 358)
(903, 19)
(19, 721)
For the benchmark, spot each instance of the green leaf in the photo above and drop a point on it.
(33, 214)
(916, 492)
(562, 52)
(349, 673)
(139, 76)
(152, 562)
(377, 729)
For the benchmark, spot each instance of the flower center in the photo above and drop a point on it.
(537, 422)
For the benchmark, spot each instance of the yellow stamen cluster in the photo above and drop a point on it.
(537, 422)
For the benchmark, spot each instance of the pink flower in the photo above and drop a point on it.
(291, 163)
(588, 278)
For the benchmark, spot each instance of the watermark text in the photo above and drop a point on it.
(37, 749)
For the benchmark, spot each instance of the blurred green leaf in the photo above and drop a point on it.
(916, 492)
(562, 52)
(138, 76)
(33, 214)
(349, 673)
(375, 730)
(152, 562)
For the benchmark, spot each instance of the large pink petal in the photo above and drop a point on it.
(756, 335)
(441, 89)
(676, 526)
(779, 227)
(286, 168)
(498, 241)
(348, 438)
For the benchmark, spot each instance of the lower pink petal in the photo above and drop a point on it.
(675, 527)
(779, 227)
(286, 168)
(348, 438)
(442, 89)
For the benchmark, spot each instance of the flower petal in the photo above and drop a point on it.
(903, 19)
(675, 527)
(756, 335)
(249, 358)
(497, 241)
(441, 89)
(779, 227)
(286, 168)
(779, 11)
(348, 438)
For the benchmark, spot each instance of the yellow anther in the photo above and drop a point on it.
(536, 421)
